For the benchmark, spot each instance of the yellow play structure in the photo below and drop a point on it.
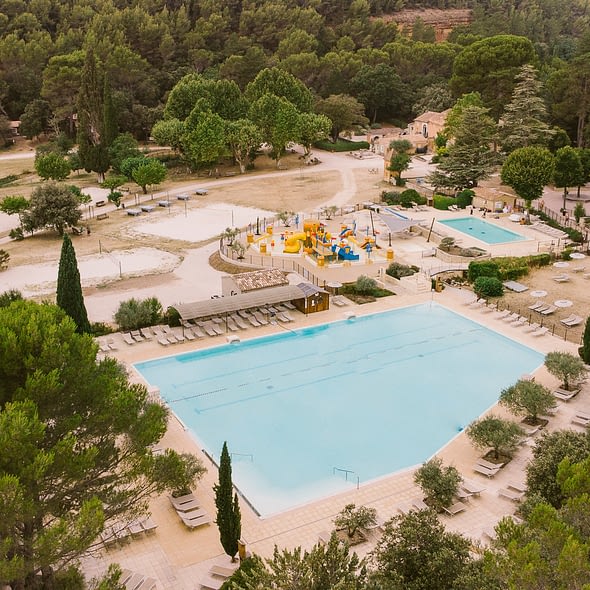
(293, 243)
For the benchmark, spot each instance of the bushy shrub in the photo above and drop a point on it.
(488, 287)
(390, 198)
(9, 296)
(567, 254)
(542, 259)
(100, 329)
(441, 202)
(365, 285)
(465, 198)
(410, 196)
(397, 270)
(482, 268)
(134, 313)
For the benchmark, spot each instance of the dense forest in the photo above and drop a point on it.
(333, 47)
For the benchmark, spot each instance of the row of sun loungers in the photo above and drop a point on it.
(120, 532)
(513, 491)
(190, 511)
(548, 230)
(136, 581)
(572, 320)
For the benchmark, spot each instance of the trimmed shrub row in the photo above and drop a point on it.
(508, 268)
(342, 145)
(405, 198)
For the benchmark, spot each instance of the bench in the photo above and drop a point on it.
(100, 203)
(163, 203)
(102, 216)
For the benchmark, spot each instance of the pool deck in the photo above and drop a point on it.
(177, 558)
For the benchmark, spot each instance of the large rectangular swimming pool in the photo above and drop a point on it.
(316, 411)
(482, 230)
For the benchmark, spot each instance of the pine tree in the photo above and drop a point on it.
(229, 519)
(524, 121)
(69, 289)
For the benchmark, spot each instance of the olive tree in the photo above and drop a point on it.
(496, 433)
(527, 398)
(439, 484)
(565, 366)
(353, 519)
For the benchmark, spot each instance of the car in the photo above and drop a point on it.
(201, 191)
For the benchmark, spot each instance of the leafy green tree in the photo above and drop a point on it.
(585, 161)
(400, 159)
(128, 165)
(568, 170)
(76, 420)
(149, 173)
(579, 211)
(243, 139)
(415, 552)
(380, 90)
(134, 313)
(489, 67)
(123, 146)
(51, 205)
(278, 121)
(470, 158)
(35, 118)
(113, 183)
(524, 120)
(14, 205)
(344, 112)
(204, 139)
(312, 128)
(527, 398)
(496, 433)
(353, 519)
(229, 520)
(439, 484)
(169, 132)
(69, 288)
(565, 366)
(281, 84)
(551, 449)
(52, 166)
(528, 170)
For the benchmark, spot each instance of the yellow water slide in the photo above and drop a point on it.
(293, 243)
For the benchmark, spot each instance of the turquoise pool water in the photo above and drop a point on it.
(316, 411)
(482, 230)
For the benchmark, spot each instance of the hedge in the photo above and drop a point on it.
(442, 202)
(482, 268)
(465, 198)
(342, 145)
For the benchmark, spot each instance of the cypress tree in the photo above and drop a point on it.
(229, 519)
(584, 350)
(69, 289)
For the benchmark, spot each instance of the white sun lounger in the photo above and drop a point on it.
(455, 508)
(128, 338)
(572, 321)
(207, 326)
(136, 335)
(239, 321)
(485, 470)
(193, 523)
(415, 504)
(510, 494)
(472, 488)
(578, 421)
(561, 278)
(549, 310)
(541, 331)
(260, 318)
(188, 334)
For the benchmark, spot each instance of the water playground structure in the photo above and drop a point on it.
(317, 242)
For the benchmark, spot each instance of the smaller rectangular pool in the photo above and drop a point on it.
(482, 230)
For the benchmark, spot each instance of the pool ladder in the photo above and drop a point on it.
(346, 472)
